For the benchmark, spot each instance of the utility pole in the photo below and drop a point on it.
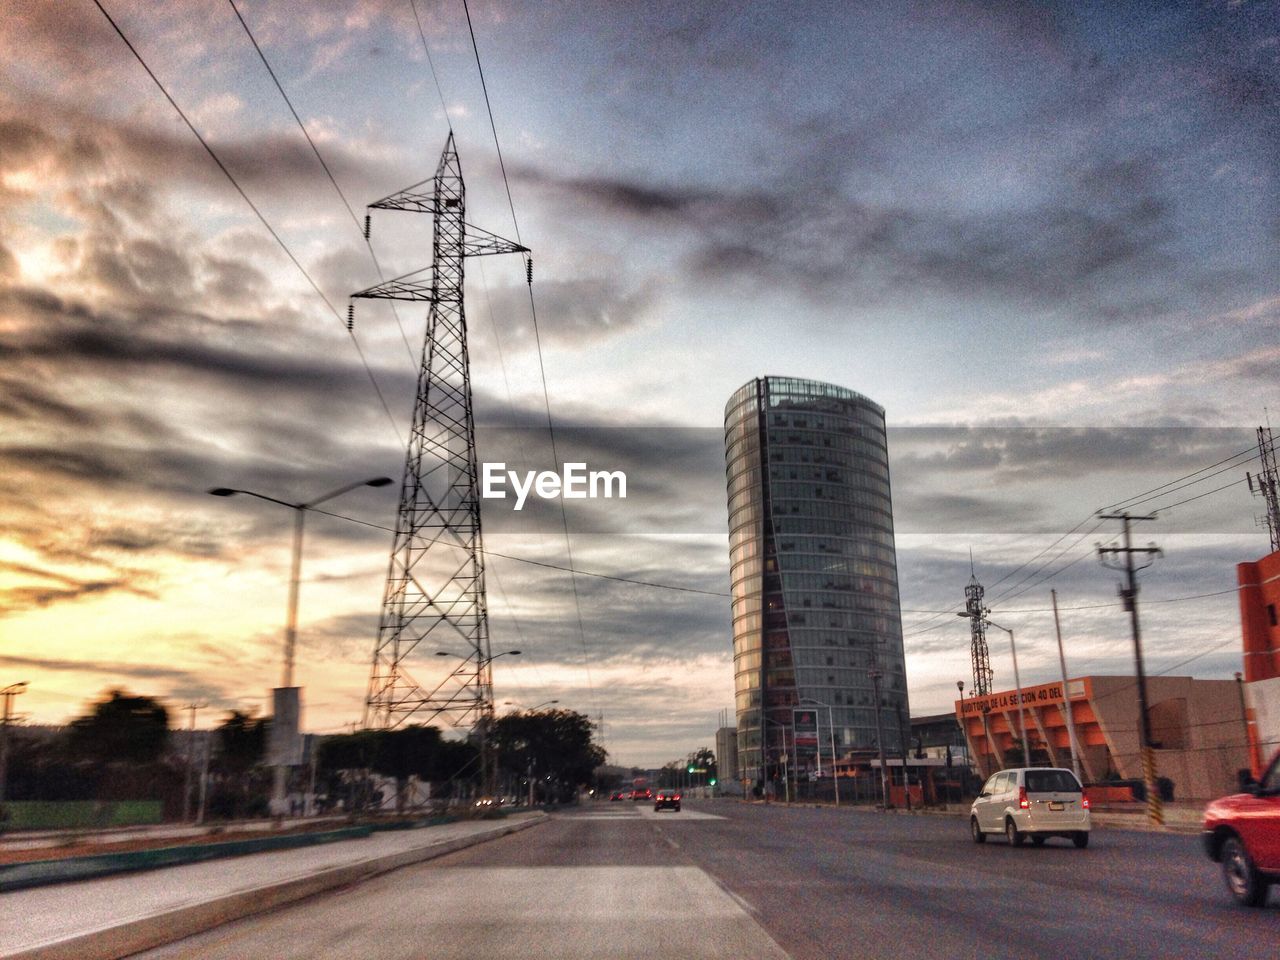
(9, 692)
(191, 758)
(979, 654)
(874, 674)
(435, 585)
(1267, 485)
(1066, 696)
(1129, 594)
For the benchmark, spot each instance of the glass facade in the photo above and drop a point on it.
(814, 575)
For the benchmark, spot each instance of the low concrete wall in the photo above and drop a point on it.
(37, 873)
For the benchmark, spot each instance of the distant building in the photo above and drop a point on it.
(814, 577)
(727, 754)
(939, 736)
(1197, 727)
(1259, 603)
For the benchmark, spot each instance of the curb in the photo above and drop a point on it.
(39, 873)
(134, 936)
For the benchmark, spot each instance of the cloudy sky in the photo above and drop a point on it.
(1044, 237)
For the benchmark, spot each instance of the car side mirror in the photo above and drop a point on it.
(984, 793)
(1244, 779)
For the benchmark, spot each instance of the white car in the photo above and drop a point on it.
(1035, 802)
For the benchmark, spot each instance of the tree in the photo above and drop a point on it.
(704, 759)
(242, 744)
(121, 729)
(406, 752)
(554, 744)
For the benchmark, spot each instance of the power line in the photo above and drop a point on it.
(328, 173)
(430, 63)
(1141, 497)
(252, 206)
(536, 563)
(542, 370)
(1208, 493)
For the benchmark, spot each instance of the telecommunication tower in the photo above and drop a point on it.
(978, 652)
(435, 590)
(1267, 485)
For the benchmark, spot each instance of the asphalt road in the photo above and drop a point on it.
(722, 879)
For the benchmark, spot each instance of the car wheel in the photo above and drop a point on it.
(1243, 879)
(1013, 834)
(976, 831)
(1081, 839)
(1038, 841)
(677, 808)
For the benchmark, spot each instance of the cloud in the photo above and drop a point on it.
(825, 245)
(576, 313)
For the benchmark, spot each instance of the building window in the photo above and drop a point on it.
(1271, 613)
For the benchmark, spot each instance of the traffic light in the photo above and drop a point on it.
(712, 781)
(690, 770)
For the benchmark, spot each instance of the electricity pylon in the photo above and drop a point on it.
(435, 590)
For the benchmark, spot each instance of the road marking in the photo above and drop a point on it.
(637, 813)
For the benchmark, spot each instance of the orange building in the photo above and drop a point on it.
(1197, 726)
(1259, 602)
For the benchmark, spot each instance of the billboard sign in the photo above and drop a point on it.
(805, 725)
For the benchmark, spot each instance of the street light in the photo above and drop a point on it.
(291, 624)
(831, 726)
(488, 774)
(1017, 680)
(295, 576)
(9, 692)
(544, 703)
(874, 674)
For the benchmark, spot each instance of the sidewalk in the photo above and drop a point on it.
(67, 842)
(119, 915)
(1178, 817)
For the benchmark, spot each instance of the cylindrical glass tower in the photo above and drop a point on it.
(814, 576)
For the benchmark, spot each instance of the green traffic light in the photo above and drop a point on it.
(690, 770)
(712, 781)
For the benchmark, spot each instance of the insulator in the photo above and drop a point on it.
(528, 270)
(351, 317)
(367, 224)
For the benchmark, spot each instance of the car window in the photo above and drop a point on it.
(990, 785)
(1051, 781)
(1001, 783)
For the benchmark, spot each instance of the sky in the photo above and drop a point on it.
(1044, 237)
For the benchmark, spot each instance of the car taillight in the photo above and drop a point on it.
(1084, 801)
(677, 796)
(1023, 802)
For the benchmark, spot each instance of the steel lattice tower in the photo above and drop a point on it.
(1267, 484)
(435, 591)
(982, 673)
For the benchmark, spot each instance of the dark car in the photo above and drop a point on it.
(666, 798)
(641, 793)
(1242, 832)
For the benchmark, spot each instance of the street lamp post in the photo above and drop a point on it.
(874, 674)
(539, 706)
(1017, 680)
(487, 771)
(832, 728)
(291, 616)
(9, 692)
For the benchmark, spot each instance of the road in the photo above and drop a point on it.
(723, 879)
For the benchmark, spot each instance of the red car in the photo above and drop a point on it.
(640, 793)
(1242, 832)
